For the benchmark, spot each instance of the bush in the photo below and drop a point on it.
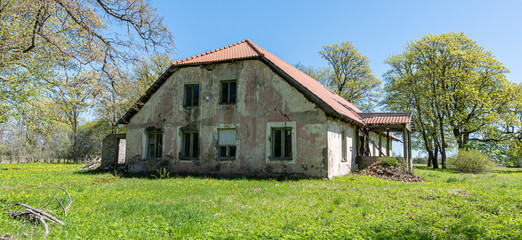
(470, 162)
(392, 161)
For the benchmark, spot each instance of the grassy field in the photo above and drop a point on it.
(447, 206)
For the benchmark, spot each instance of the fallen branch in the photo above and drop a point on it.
(37, 215)
(41, 212)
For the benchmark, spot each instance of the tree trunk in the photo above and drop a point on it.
(435, 157)
(443, 142)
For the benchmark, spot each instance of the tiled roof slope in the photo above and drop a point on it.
(249, 50)
(240, 50)
(386, 118)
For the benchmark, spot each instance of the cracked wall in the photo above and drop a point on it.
(263, 97)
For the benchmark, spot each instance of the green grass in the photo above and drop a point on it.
(448, 206)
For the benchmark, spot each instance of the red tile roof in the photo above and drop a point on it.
(333, 103)
(386, 118)
(247, 49)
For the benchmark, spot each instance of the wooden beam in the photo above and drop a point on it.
(410, 163)
(388, 143)
(380, 142)
(396, 128)
(405, 145)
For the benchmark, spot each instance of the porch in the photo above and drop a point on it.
(384, 124)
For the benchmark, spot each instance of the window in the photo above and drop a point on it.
(228, 92)
(343, 146)
(191, 95)
(154, 145)
(190, 145)
(227, 143)
(282, 143)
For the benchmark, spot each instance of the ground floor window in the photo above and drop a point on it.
(343, 147)
(154, 145)
(282, 143)
(226, 143)
(190, 144)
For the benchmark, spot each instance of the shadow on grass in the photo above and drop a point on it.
(155, 175)
(500, 170)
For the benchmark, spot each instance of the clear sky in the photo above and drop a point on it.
(296, 30)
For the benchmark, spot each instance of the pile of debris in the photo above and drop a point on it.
(385, 171)
(92, 164)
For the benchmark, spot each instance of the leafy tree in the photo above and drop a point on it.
(456, 90)
(100, 34)
(120, 93)
(349, 75)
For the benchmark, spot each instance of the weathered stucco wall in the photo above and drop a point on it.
(263, 98)
(113, 149)
(338, 165)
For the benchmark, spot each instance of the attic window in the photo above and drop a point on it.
(191, 95)
(228, 91)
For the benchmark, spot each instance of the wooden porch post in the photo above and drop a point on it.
(380, 142)
(405, 145)
(388, 143)
(410, 163)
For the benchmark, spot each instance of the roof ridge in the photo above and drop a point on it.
(209, 52)
(253, 46)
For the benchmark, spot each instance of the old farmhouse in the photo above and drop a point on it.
(242, 111)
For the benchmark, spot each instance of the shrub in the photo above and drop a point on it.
(392, 161)
(470, 162)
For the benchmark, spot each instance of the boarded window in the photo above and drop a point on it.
(228, 91)
(190, 144)
(282, 143)
(227, 143)
(191, 95)
(154, 145)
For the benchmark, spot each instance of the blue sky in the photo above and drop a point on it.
(296, 30)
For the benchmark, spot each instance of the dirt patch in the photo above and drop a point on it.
(384, 171)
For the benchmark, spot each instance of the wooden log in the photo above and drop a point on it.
(41, 212)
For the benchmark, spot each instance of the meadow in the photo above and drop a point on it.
(114, 206)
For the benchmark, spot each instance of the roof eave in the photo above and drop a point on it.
(308, 94)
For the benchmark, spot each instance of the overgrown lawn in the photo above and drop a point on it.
(448, 206)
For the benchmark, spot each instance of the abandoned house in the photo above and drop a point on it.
(242, 111)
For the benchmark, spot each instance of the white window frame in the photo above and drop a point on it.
(344, 152)
(235, 145)
(182, 144)
(146, 145)
(269, 143)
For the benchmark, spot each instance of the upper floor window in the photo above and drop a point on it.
(191, 95)
(154, 145)
(228, 91)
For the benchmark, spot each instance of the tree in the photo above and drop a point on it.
(72, 98)
(120, 93)
(349, 75)
(456, 90)
(100, 34)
